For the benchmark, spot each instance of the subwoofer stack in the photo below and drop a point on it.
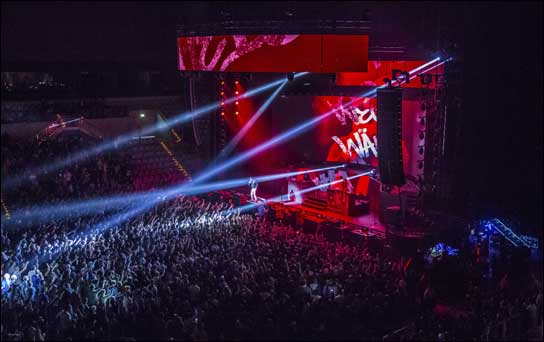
(390, 136)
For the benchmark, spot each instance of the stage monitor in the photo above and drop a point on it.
(318, 53)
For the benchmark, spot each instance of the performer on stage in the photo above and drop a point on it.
(253, 185)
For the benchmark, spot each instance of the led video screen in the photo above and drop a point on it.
(378, 70)
(348, 135)
(274, 53)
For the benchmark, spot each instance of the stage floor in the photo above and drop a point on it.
(370, 221)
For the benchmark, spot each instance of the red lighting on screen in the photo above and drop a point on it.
(376, 72)
(274, 53)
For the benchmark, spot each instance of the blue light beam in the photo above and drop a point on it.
(250, 206)
(104, 204)
(283, 137)
(124, 139)
(232, 144)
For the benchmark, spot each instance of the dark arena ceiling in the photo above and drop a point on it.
(144, 33)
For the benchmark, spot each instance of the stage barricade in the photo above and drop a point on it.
(292, 217)
(312, 224)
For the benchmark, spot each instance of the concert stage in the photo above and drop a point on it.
(321, 134)
(325, 200)
(366, 225)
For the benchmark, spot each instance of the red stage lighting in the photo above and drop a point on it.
(237, 103)
(236, 82)
(222, 93)
(236, 92)
(236, 113)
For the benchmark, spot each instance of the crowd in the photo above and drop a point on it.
(194, 270)
(199, 269)
(107, 173)
(22, 111)
(507, 309)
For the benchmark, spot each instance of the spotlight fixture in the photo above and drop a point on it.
(142, 115)
(236, 82)
(222, 93)
(236, 92)
(222, 113)
(236, 103)
(236, 113)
